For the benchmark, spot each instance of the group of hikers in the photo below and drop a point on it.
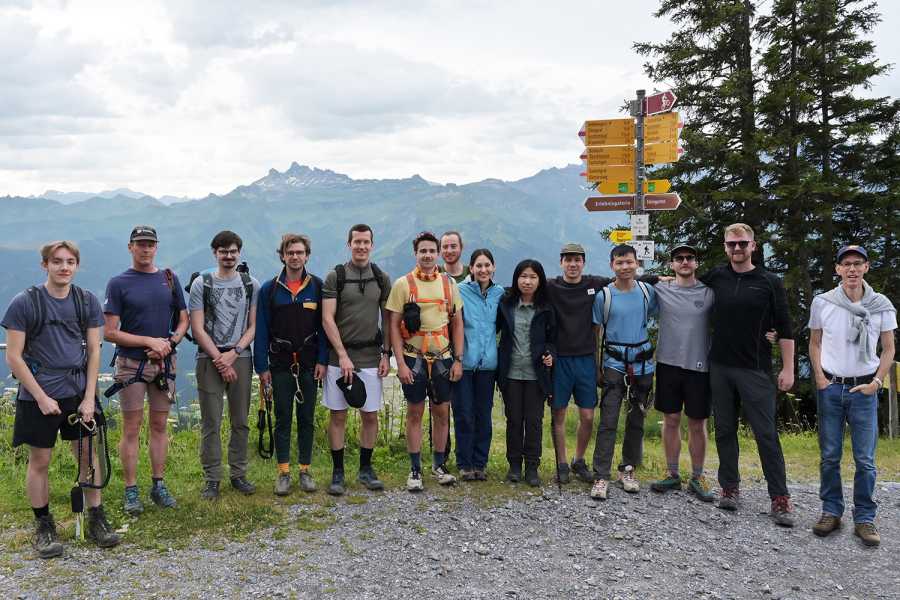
(560, 339)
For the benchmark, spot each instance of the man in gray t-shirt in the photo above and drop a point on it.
(223, 319)
(682, 371)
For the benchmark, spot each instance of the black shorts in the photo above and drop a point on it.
(34, 428)
(440, 387)
(678, 388)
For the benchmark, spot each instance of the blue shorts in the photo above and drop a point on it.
(440, 388)
(575, 376)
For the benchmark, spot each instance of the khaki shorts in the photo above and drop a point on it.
(132, 397)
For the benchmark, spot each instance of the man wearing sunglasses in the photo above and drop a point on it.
(749, 302)
(289, 353)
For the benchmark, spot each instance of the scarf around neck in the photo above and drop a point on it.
(860, 313)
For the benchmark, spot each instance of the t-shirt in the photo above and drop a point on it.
(228, 301)
(840, 357)
(463, 276)
(58, 345)
(433, 316)
(684, 325)
(628, 315)
(358, 314)
(573, 303)
(143, 303)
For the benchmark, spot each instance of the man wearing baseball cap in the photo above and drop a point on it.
(845, 325)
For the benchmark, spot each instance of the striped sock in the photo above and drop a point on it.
(284, 468)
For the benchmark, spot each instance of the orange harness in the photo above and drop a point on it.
(445, 304)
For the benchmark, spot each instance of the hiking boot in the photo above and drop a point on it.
(562, 473)
(242, 485)
(44, 540)
(283, 484)
(628, 481)
(133, 505)
(210, 491)
(514, 475)
(531, 476)
(306, 482)
(443, 476)
(161, 496)
(99, 530)
(467, 474)
(782, 511)
(414, 482)
(699, 486)
(480, 475)
(867, 533)
(337, 484)
(669, 481)
(730, 498)
(369, 479)
(579, 467)
(600, 489)
(826, 524)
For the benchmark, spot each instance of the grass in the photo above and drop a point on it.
(240, 518)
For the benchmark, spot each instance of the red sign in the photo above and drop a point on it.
(661, 201)
(659, 103)
(609, 203)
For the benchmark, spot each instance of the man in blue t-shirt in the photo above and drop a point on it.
(146, 318)
(622, 310)
(53, 349)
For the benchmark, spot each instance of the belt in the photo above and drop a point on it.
(861, 380)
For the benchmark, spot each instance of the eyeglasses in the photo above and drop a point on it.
(739, 244)
(856, 264)
(295, 253)
(684, 258)
(228, 252)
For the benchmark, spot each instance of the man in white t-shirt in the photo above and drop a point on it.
(846, 324)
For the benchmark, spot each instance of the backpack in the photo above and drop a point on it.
(607, 305)
(39, 309)
(209, 311)
(377, 275)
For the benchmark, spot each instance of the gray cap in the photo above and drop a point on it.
(143, 232)
(674, 250)
(572, 248)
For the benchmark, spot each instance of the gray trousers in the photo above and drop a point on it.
(610, 405)
(733, 389)
(212, 389)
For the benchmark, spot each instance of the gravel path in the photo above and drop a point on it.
(446, 544)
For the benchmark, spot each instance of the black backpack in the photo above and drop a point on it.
(377, 275)
(209, 311)
(39, 309)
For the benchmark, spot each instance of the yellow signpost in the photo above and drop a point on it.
(609, 155)
(617, 174)
(665, 152)
(620, 236)
(607, 132)
(653, 186)
(661, 128)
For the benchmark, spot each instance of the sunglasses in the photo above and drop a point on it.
(739, 244)
(684, 258)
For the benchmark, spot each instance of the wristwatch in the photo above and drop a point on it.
(238, 350)
(387, 352)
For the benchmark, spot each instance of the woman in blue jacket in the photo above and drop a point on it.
(527, 326)
(473, 399)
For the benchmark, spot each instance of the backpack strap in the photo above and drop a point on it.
(378, 274)
(170, 281)
(81, 311)
(248, 293)
(38, 311)
(646, 293)
(607, 305)
(448, 296)
(209, 311)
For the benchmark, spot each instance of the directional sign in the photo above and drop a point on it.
(620, 236)
(615, 174)
(662, 201)
(640, 224)
(643, 249)
(608, 155)
(657, 186)
(659, 103)
(609, 203)
(607, 132)
(661, 128)
(666, 152)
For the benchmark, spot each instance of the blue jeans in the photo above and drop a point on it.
(473, 401)
(837, 406)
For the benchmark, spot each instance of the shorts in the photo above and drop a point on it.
(34, 428)
(440, 382)
(132, 397)
(575, 376)
(333, 397)
(678, 388)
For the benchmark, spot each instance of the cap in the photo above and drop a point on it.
(675, 250)
(571, 248)
(143, 232)
(354, 392)
(852, 248)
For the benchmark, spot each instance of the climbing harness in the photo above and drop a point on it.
(264, 422)
(97, 475)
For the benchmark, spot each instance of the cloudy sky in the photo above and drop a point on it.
(188, 98)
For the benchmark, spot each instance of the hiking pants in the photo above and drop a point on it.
(736, 388)
(283, 388)
(633, 444)
(473, 401)
(524, 404)
(211, 390)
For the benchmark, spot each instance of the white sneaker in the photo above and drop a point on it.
(443, 476)
(414, 482)
(628, 481)
(599, 489)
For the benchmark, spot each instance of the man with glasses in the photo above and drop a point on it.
(749, 302)
(682, 369)
(223, 318)
(846, 324)
(289, 354)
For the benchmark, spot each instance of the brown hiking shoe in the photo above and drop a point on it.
(99, 529)
(867, 533)
(782, 511)
(44, 540)
(730, 498)
(826, 524)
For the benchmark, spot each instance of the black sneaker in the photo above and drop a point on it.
(369, 479)
(337, 488)
(99, 530)
(531, 476)
(562, 473)
(579, 467)
(210, 491)
(514, 475)
(44, 540)
(243, 486)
